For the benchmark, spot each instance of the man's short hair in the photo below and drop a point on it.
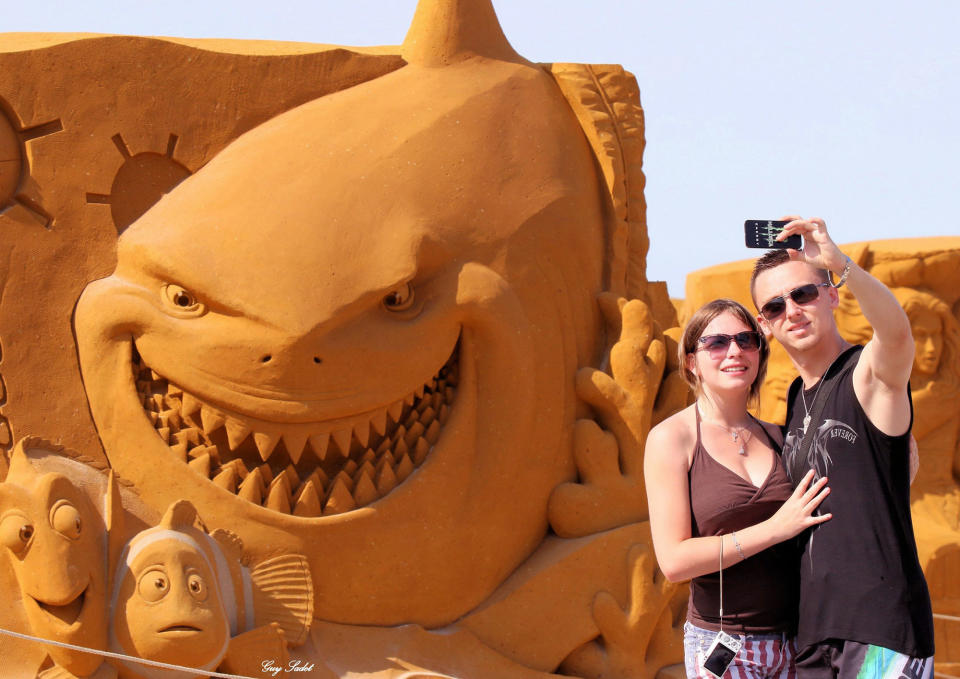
(771, 260)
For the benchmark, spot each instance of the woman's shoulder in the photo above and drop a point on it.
(676, 433)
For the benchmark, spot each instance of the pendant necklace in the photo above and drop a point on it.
(806, 411)
(740, 435)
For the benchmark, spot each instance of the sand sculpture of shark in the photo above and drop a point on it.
(355, 334)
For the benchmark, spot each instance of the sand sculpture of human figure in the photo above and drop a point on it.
(935, 381)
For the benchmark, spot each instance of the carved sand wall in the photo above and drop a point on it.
(340, 357)
(924, 274)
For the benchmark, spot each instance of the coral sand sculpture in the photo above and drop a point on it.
(398, 324)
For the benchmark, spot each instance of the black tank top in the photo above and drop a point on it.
(759, 593)
(860, 579)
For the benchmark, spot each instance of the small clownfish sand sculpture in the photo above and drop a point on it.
(183, 596)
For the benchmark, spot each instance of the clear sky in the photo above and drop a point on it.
(845, 110)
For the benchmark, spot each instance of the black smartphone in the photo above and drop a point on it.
(762, 233)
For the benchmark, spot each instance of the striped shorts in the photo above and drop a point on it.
(762, 656)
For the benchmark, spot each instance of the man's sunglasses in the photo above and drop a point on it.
(802, 295)
(748, 340)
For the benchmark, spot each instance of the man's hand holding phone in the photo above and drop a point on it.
(819, 250)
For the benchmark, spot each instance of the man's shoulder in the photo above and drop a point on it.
(850, 356)
(841, 371)
(844, 362)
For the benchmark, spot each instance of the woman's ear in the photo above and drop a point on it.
(691, 363)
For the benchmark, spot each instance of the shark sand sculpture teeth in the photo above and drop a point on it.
(440, 228)
(324, 467)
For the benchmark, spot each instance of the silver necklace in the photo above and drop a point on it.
(806, 416)
(823, 378)
(740, 435)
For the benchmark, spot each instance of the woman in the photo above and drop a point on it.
(715, 482)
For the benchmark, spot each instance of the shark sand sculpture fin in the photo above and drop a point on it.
(446, 31)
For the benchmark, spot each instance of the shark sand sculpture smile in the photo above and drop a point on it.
(328, 467)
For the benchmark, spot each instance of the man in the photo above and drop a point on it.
(864, 606)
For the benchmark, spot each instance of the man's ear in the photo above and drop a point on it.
(834, 295)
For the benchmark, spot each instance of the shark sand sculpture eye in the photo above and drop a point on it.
(181, 301)
(399, 299)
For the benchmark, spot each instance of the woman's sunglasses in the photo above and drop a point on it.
(802, 295)
(748, 340)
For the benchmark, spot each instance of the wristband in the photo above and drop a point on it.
(846, 272)
(736, 543)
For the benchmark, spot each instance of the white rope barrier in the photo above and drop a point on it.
(221, 675)
(941, 616)
(419, 674)
(121, 656)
